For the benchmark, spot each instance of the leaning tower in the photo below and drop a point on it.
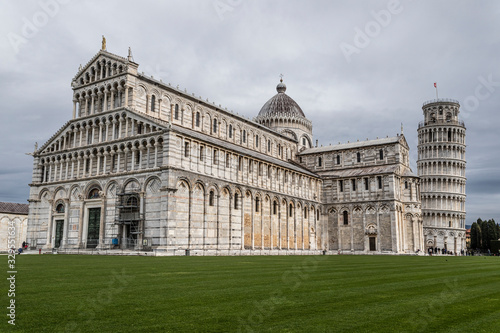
(441, 167)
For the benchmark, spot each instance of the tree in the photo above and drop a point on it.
(482, 233)
(475, 235)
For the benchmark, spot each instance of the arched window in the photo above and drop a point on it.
(290, 210)
(93, 194)
(186, 149)
(268, 145)
(305, 212)
(176, 111)
(215, 160)
(132, 202)
(320, 161)
(60, 208)
(358, 157)
(346, 217)
(197, 119)
(275, 208)
(214, 127)
(211, 198)
(257, 204)
(317, 214)
(202, 153)
(244, 136)
(153, 103)
(257, 141)
(228, 160)
(236, 199)
(230, 133)
(338, 159)
(381, 154)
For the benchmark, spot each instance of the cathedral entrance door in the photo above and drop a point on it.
(93, 229)
(131, 235)
(59, 233)
(373, 247)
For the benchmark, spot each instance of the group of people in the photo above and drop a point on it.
(438, 250)
(23, 247)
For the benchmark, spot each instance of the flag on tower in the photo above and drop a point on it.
(435, 85)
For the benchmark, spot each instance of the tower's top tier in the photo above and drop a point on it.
(441, 111)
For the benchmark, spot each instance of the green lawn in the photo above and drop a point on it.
(68, 293)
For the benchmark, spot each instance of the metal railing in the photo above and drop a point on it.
(437, 100)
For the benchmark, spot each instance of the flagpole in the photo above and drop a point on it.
(435, 85)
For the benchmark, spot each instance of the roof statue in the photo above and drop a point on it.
(103, 43)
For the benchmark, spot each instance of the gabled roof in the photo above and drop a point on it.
(14, 208)
(94, 58)
(152, 120)
(359, 144)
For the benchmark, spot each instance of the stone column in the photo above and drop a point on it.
(101, 126)
(126, 127)
(104, 162)
(119, 128)
(79, 159)
(102, 227)
(91, 164)
(98, 166)
(66, 169)
(80, 108)
(74, 107)
(126, 96)
(118, 161)
(148, 147)
(44, 168)
(112, 104)
(48, 241)
(156, 154)
(140, 150)
(51, 163)
(92, 108)
(120, 89)
(80, 221)
(99, 99)
(134, 151)
(65, 225)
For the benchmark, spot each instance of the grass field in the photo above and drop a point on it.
(65, 293)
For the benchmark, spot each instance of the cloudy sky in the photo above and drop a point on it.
(358, 69)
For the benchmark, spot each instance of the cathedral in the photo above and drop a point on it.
(145, 166)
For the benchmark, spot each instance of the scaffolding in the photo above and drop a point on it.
(129, 219)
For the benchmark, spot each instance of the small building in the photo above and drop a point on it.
(13, 225)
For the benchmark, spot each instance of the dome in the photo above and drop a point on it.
(281, 104)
